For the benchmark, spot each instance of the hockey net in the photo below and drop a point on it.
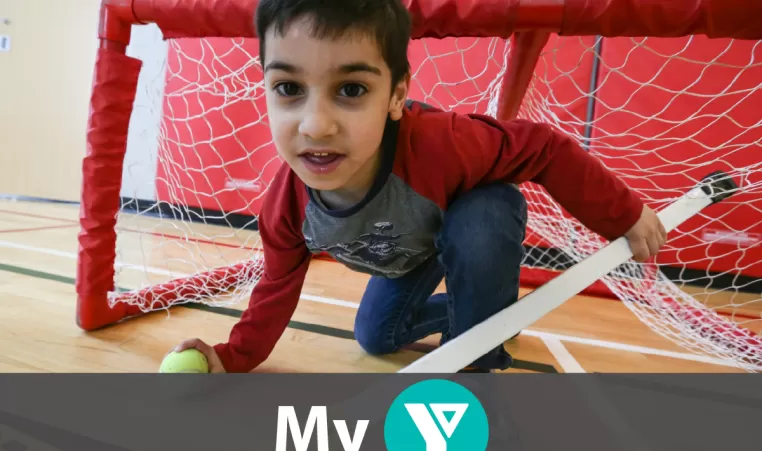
(180, 156)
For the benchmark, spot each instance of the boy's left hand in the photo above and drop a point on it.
(647, 236)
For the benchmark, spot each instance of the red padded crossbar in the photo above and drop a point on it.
(741, 19)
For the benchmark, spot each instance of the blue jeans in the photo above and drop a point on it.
(480, 248)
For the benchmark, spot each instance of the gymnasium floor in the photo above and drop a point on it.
(38, 333)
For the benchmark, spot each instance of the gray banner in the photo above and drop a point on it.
(240, 412)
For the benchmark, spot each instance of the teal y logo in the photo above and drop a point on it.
(436, 415)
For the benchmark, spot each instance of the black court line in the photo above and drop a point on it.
(296, 325)
(349, 335)
(35, 273)
(517, 364)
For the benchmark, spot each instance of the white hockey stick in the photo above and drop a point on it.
(480, 339)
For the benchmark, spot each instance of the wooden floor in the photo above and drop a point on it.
(38, 332)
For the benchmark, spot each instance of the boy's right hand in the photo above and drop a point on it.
(647, 236)
(215, 364)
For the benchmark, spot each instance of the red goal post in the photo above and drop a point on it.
(528, 24)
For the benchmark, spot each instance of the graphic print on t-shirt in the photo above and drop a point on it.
(390, 235)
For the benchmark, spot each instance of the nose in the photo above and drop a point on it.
(318, 121)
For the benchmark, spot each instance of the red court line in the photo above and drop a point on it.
(184, 238)
(162, 235)
(34, 229)
(32, 215)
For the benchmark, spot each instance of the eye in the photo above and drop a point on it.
(352, 90)
(288, 89)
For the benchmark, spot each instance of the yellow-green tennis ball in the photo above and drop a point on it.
(187, 361)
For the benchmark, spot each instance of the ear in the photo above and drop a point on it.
(399, 96)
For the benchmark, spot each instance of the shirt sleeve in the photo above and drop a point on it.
(479, 149)
(275, 296)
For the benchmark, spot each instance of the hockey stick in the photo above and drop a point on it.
(480, 339)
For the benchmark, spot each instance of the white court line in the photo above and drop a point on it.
(628, 348)
(73, 256)
(41, 250)
(341, 303)
(568, 363)
(322, 300)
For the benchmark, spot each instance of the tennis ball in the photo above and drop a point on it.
(187, 361)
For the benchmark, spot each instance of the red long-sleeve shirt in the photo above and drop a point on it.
(429, 157)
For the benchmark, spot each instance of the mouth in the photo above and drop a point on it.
(321, 161)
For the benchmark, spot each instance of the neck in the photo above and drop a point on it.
(355, 190)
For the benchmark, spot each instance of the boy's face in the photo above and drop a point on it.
(328, 101)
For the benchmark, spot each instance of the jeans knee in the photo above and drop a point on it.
(485, 226)
(372, 337)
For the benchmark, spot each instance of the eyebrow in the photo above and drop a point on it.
(344, 69)
(359, 67)
(280, 65)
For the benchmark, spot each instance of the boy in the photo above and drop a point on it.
(406, 193)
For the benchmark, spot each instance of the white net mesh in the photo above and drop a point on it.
(194, 182)
(662, 113)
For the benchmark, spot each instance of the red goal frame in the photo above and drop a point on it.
(528, 23)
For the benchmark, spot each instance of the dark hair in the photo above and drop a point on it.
(387, 21)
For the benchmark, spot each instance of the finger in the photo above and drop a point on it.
(187, 344)
(654, 244)
(662, 240)
(212, 359)
(193, 343)
(177, 348)
(215, 364)
(661, 235)
(639, 249)
(216, 367)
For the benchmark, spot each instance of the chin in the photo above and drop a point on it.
(325, 183)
